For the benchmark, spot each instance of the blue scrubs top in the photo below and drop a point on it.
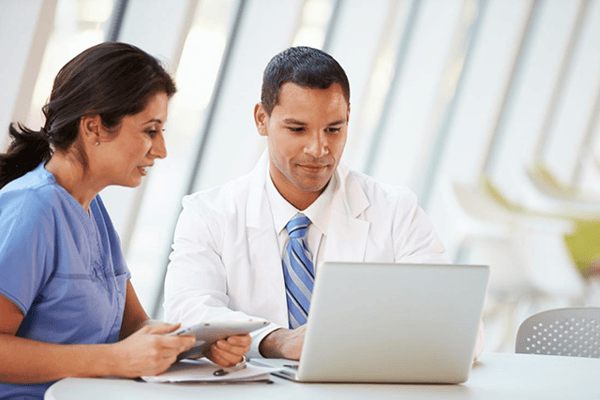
(62, 267)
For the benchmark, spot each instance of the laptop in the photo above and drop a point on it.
(404, 323)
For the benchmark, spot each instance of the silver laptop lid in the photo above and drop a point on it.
(374, 322)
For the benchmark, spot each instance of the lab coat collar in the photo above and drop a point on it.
(262, 241)
(347, 233)
(349, 197)
(318, 212)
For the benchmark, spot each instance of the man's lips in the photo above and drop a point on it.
(314, 167)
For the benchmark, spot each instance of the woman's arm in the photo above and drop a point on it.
(134, 316)
(147, 352)
(226, 352)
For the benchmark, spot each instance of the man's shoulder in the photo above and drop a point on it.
(227, 195)
(373, 188)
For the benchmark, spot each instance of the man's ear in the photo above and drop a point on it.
(261, 118)
(90, 129)
(348, 114)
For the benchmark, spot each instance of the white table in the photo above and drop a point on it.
(495, 376)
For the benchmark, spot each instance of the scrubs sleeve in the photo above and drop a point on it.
(26, 247)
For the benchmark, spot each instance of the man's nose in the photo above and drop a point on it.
(317, 145)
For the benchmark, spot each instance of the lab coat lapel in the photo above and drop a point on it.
(347, 234)
(262, 243)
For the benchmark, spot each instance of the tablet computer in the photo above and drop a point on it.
(206, 333)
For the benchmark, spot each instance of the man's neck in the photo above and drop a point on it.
(298, 198)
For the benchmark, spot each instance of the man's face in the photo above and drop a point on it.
(306, 133)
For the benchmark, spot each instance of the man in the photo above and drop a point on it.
(233, 254)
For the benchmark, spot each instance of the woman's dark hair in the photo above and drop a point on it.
(111, 80)
(303, 66)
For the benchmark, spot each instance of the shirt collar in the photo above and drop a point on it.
(317, 212)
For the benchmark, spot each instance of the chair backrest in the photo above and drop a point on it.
(563, 332)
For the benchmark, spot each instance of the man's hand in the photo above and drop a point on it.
(283, 343)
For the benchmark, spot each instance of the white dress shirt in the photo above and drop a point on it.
(317, 212)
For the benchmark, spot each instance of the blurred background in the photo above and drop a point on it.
(487, 109)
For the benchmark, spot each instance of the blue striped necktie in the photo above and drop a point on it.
(298, 271)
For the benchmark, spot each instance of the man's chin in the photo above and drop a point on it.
(316, 186)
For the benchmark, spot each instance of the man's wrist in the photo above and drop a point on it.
(270, 346)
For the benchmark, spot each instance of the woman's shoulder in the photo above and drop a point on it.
(29, 196)
(36, 180)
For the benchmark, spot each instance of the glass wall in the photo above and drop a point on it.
(489, 110)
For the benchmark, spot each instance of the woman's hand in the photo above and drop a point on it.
(148, 351)
(228, 352)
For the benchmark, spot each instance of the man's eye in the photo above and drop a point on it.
(295, 129)
(333, 130)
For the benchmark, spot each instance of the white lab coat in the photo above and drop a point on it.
(226, 262)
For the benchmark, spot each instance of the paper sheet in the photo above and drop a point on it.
(203, 371)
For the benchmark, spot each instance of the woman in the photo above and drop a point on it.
(67, 307)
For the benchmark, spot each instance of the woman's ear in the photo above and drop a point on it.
(261, 119)
(90, 129)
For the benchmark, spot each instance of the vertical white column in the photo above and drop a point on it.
(577, 102)
(406, 136)
(357, 53)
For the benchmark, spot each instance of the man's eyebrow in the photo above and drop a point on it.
(294, 122)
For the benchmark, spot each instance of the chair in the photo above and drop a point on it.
(563, 332)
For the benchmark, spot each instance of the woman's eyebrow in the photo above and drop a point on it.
(153, 120)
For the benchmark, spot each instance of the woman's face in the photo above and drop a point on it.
(123, 158)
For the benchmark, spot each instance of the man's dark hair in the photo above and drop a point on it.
(303, 66)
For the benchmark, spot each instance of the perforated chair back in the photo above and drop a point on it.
(562, 332)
